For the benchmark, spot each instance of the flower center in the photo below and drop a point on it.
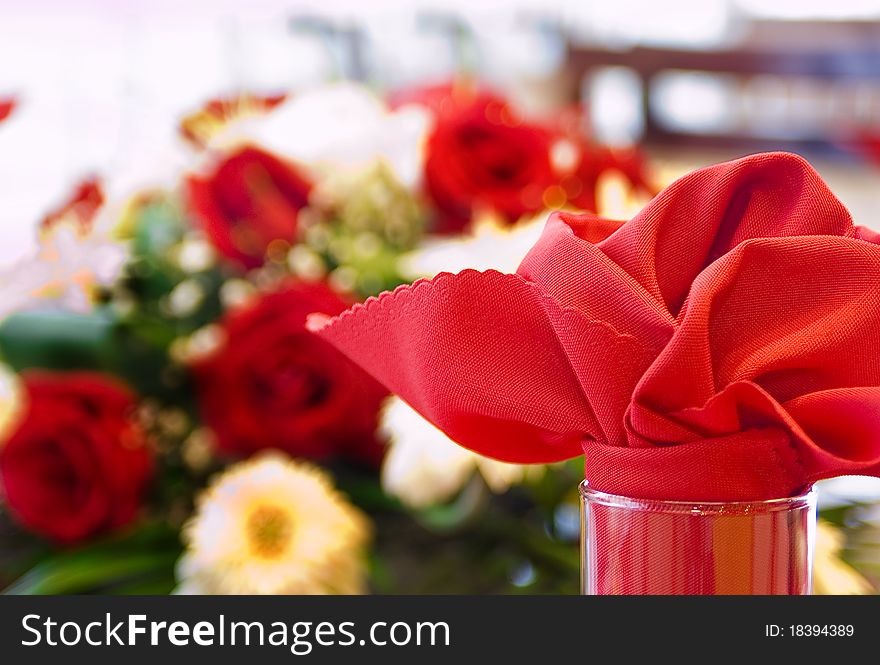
(269, 530)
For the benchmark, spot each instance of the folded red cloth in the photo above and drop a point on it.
(724, 344)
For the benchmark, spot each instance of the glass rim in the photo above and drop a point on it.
(807, 498)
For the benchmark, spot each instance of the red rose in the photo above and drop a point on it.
(273, 384)
(480, 156)
(580, 163)
(596, 160)
(249, 199)
(77, 464)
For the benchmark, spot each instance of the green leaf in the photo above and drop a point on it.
(81, 574)
(466, 507)
(139, 559)
(157, 228)
(58, 340)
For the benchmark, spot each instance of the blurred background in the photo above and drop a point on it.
(119, 93)
(102, 84)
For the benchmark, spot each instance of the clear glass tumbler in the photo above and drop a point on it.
(645, 547)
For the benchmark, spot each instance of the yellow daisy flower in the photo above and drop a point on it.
(272, 525)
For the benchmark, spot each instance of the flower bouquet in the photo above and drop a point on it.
(168, 420)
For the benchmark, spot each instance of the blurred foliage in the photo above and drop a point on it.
(361, 222)
(136, 562)
(153, 274)
(860, 526)
(523, 541)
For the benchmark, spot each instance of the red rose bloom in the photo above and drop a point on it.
(250, 199)
(77, 464)
(596, 160)
(273, 384)
(480, 156)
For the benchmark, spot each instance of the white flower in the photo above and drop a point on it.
(68, 264)
(423, 466)
(344, 125)
(272, 525)
(490, 244)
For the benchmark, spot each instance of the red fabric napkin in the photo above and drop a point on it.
(724, 344)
